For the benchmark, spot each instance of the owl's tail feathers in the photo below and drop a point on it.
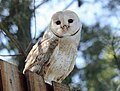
(48, 82)
(24, 71)
(26, 68)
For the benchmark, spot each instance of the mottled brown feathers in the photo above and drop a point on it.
(40, 53)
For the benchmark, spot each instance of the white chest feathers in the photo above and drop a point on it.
(61, 62)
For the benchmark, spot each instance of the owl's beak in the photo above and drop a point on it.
(64, 27)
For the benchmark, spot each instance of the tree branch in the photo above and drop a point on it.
(115, 56)
(44, 1)
(13, 39)
(35, 21)
(69, 5)
(12, 55)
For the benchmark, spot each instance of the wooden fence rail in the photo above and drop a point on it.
(12, 80)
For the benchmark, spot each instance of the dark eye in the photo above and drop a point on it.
(58, 22)
(70, 20)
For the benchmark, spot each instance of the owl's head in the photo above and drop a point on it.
(65, 23)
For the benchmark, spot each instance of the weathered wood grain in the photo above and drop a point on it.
(10, 78)
(60, 87)
(35, 82)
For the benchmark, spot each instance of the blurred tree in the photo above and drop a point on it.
(100, 46)
(100, 58)
(19, 16)
(102, 54)
(16, 25)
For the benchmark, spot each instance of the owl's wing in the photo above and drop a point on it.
(41, 52)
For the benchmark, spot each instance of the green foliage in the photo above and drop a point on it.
(101, 58)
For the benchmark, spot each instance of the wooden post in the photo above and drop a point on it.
(10, 78)
(35, 82)
(60, 87)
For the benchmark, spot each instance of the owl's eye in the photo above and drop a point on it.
(58, 22)
(70, 20)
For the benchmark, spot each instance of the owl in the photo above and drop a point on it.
(53, 57)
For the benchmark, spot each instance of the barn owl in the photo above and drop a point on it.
(54, 56)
